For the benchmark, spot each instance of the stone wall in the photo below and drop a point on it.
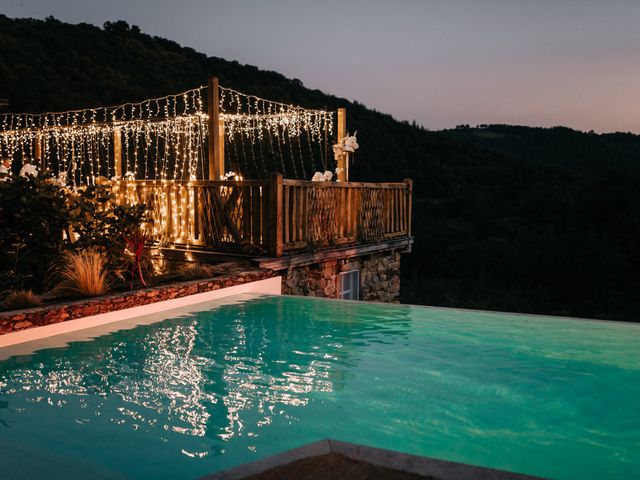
(33, 317)
(379, 277)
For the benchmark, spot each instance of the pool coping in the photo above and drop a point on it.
(266, 286)
(403, 462)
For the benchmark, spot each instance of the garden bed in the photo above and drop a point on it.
(16, 320)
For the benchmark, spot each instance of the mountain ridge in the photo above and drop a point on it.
(586, 152)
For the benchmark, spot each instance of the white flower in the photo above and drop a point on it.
(339, 170)
(28, 169)
(129, 176)
(115, 178)
(350, 144)
(61, 179)
(346, 145)
(322, 177)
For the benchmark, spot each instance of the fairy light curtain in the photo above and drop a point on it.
(166, 139)
(160, 138)
(262, 136)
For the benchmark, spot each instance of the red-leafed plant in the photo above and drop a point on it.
(137, 252)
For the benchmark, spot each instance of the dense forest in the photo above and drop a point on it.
(505, 218)
(587, 153)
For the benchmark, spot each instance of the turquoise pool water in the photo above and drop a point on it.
(209, 390)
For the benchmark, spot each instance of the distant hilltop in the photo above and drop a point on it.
(584, 152)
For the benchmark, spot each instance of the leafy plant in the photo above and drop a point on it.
(96, 222)
(18, 299)
(137, 255)
(33, 215)
(83, 273)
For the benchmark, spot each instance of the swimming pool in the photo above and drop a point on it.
(230, 382)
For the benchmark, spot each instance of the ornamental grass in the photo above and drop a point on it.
(82, 273)
(19, 299)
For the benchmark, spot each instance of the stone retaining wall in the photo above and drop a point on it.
(21, 319)
(379, 277)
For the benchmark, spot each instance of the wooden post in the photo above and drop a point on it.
(343, 163)
(117, 153)
(38, 153)
(275, 215)
(409, 184)
(216, 152)
(220, 146)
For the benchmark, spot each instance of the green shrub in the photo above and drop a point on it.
(96, 223)
(33, 216)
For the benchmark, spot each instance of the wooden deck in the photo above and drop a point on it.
(272, 217)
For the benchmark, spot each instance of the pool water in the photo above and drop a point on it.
(211, 389)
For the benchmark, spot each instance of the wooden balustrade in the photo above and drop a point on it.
(322, 214)
(277, 216)
(224, 215)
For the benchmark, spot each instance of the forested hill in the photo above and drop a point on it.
(586, 152)
(491, 231)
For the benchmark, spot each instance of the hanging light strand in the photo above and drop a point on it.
(165, 138)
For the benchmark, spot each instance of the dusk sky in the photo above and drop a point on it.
(441, 63)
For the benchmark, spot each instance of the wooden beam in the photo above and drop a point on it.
(409, 183)
(38, 154)
(343, 176)
(402, 244)
(220, 146)
(117, 153)
(216, 152)
(275, 215)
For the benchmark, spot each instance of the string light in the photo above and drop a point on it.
(162, 141)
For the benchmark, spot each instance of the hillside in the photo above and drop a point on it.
(491, 231)
(588, 153)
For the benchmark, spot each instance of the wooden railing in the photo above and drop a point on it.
(225, 215)
(276, 216)
(322, 214)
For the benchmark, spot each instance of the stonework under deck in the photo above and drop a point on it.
(318, 274)
(379, 278)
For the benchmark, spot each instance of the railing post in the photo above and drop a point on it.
(342, 159)
(215, 151)
(117, 153)
(275, 215)
(409, 184)
(38, 158)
